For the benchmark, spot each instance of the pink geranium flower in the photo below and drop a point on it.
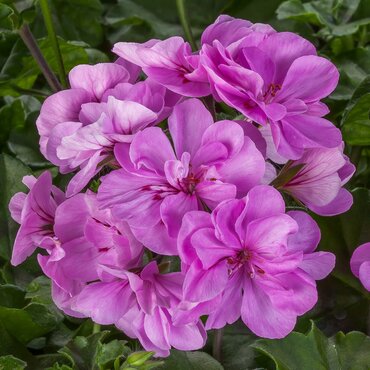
(142, 306)
(80, 126)
(319, 183)
(170, 63)
(89, 238)
(35, 212)
(157, 184)
(360, 264)
(275, 78)
(255, 260)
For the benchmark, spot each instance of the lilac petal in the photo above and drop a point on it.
(132, 69)
(187, 312)
(260, 314)
(245, 169)
(97, 78)
(309, 78)
(173, 209)
(310, 132)
(340, 204)
(283, 48)
(81, 179)
(201, 285)
(178, 83)
(64, 299)
(187, 337)
(229, 133)
(359, 256)
(224, 218)
(243, 78)
(127, 117)
(318, 264)
(308, 236)
(156, 239)
(176, 171)
(157, 329)
(226, 30)
(105, 303)
(70, 218)
(209, 154)
(25, 243)
(255, 135)
(318, 109)
(191, 222)
(275, 111)
(59, 132)
(16, 205)
(304, 290)
(209, 249)
(229, 309)
(260, 62)
(283, 263)
(189, 120)
(151, 149)
(262, 201)
(268, 236)
(61, 107)
(91, 112)
(364, 275)
(271, 150)
(213, 193)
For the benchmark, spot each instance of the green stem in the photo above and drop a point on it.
(217, 343)
(185, 24)
(27, 37)
(96, 328)
(54, 41)
(210, 104)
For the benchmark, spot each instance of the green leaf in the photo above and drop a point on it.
(31, 322)
(20, 71)
(11, 296)
(181, 360)
(11, 363)
(356, 127)
(12, 172)
(315, 351)
(111, 351)
(8, 19)
(12, 116)
(83, 352)
(296, 10)
(354, 67)
(74, 20)
(11, 346)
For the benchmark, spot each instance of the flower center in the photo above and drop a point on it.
(244, 258)
(271, 92)
(189, 183)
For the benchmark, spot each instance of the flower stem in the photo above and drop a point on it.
(27, 37)
(185, 24)
(210, 104)
(54, 41)
(217, 342)
(96, 328)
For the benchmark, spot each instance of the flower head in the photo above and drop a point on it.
(210, 162)
(258, 261)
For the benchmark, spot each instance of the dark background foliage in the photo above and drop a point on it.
(33, 333)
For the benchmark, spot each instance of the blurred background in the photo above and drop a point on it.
(32, 330)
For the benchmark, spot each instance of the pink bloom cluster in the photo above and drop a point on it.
(172, 180)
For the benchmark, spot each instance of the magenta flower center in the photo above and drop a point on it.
(271, 92)
(244, 259)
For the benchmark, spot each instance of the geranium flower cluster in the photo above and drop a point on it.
(156, 174)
